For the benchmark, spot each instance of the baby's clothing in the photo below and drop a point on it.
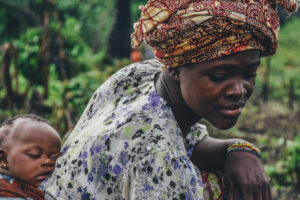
(10, 188)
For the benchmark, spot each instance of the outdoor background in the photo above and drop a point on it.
(54, 54)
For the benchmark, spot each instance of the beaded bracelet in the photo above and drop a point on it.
(243, 146)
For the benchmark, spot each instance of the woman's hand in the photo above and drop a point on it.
(244, 175)
(245, 178)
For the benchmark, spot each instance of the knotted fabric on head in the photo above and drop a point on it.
(195, 31)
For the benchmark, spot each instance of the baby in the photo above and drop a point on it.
(29, 147)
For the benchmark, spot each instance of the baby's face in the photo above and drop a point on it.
(32, 150)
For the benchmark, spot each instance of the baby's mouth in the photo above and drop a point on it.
(43, 176)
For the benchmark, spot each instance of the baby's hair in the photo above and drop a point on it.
(10, 121)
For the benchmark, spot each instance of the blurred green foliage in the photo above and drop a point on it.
(285, 63)
(286, 172)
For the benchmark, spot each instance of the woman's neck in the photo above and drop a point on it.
(169, 90)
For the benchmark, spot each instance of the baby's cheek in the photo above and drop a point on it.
(20, 161)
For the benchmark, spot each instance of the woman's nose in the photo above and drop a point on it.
(236, 90)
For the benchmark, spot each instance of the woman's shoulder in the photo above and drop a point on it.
(137, 73)
(145, 67)
(128, 83)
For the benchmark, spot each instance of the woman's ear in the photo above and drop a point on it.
(3, 160)
(174, 73)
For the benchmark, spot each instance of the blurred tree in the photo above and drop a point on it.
(17, 16)
(266, 87)
(13, 98)
(119, 39)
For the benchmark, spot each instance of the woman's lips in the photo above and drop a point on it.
(231, 111)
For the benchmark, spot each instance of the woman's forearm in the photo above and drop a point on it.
(210, 153)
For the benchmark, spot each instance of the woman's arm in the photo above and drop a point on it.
(162, 175)
(244, 175)
(210, 153)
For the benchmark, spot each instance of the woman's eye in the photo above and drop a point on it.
(33, 156)
(217, 77)
(250, 75)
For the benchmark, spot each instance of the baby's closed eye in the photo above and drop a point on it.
(55, 155)
(33, 155)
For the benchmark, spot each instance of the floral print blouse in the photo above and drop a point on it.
(128, 145)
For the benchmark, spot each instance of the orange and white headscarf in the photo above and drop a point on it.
(195, 31)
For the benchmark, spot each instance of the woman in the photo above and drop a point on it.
(139, 138)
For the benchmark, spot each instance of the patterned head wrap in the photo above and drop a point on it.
(195, 31)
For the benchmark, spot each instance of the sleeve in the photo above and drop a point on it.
(164, 175)
(196, 135)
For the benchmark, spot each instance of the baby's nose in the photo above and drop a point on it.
(47, 162)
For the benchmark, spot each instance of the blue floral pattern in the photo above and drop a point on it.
(128, 145)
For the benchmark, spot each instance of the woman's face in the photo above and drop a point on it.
(218, 90)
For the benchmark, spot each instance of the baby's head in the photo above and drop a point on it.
(29, 147)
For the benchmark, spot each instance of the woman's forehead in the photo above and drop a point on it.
(244, 55)
(247, 59)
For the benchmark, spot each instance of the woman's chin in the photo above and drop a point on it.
(224, 124)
